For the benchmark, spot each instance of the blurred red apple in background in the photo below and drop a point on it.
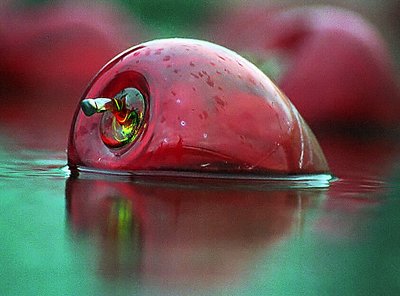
(332, 63)
(49, 54)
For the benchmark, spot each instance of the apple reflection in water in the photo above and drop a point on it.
(181, 234)
(363, 166)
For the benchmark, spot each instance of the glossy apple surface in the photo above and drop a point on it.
(205, 109)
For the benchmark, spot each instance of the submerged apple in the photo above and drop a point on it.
(186, 105)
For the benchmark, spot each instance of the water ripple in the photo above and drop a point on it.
(32, 163)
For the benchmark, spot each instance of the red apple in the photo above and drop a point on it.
(333, 65)
(59, 45)
(187, 105)
(48, 55)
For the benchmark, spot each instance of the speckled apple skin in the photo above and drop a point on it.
(208, 110)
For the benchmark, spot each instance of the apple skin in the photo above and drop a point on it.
(209, 110)
(48, 55)
(334, 65)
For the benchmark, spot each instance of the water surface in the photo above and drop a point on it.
(110, 235)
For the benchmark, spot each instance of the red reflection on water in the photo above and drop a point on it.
(363, 166)
(174, 234)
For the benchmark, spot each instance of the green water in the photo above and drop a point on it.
(103, 235)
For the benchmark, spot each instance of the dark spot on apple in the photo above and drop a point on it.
(159, 51)
(210, 82)
(219, 101)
